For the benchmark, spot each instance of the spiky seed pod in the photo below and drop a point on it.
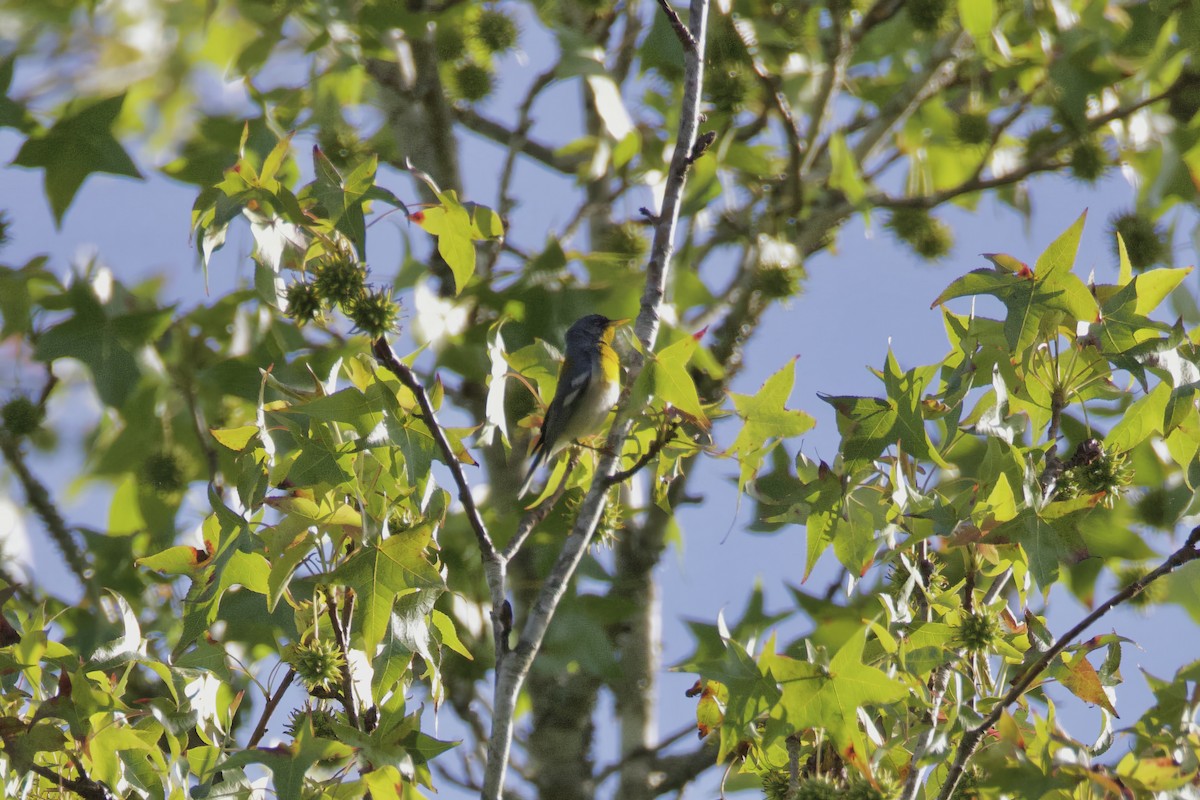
(928, 236)
(1107, 473)
(1145, 240)
(318, 663)
(449, 41)
(22, 416)
(818, 788)
(777, 283)
(927, 15)
(322, 722)
(860, 789)
(626, 240)
(473, 82)
(497, 30)
(1041, 143)
(341, 280)
(303, 302)
(729, 86)
(1155, 592)
(972, 127)
(1088, 161)
(375, 313)
(978, 632)
(163, 472)
(1185, 96)
(775, 784)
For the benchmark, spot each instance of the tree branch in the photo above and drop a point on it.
(543, 154)
(349, 701)
(1190, 551)
(273, 702)
(38, 497)
(84, 786)
(511, 673)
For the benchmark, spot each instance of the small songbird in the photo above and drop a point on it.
(589, 383)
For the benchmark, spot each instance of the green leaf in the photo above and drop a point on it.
(290, 763)
(765, 415)
(831, 697)
(844, 174)
(178, 560)
(380, 573)
(451, 224)
(77, 145)
(666, 378)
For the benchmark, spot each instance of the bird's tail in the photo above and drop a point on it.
(539, 458)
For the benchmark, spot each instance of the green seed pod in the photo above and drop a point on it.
(1088, 161)
(22, 416)
(340, 280)
(978, 632)
(927, 15)
(473, 82)
(375, 313)
(449, 41)
(317, 663)
(972, 127)
(304, 302)
(163, 472)
(1145, 241)
(497, 30)
(818, 788)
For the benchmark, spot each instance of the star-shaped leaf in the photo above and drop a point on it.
(830, 697)
(75, 147)
(1034, 301)
(766, 419)
(381, 573)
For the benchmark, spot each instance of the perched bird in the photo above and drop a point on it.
(589, 382)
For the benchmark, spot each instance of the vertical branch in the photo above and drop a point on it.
(511, 673)
(38, 497)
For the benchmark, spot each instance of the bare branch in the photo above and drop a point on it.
(534, 517)
(511, 673)
(38, 498)
(273, 701)
(520, 137)
(349, 701)
(543, 154)
(685, 36)
(383, 351)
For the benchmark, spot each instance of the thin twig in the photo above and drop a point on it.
(533, 518)
(273, 702)
(383, 351)
(499, 133)
(38, 498)
(349, 702)
(84, 786)
(1190, 551)
(648, 752)
(651, 453)
(520, 136)
(685, 36)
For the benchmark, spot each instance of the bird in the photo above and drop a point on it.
(589, 382)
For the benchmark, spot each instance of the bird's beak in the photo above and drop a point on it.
(614, 323)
